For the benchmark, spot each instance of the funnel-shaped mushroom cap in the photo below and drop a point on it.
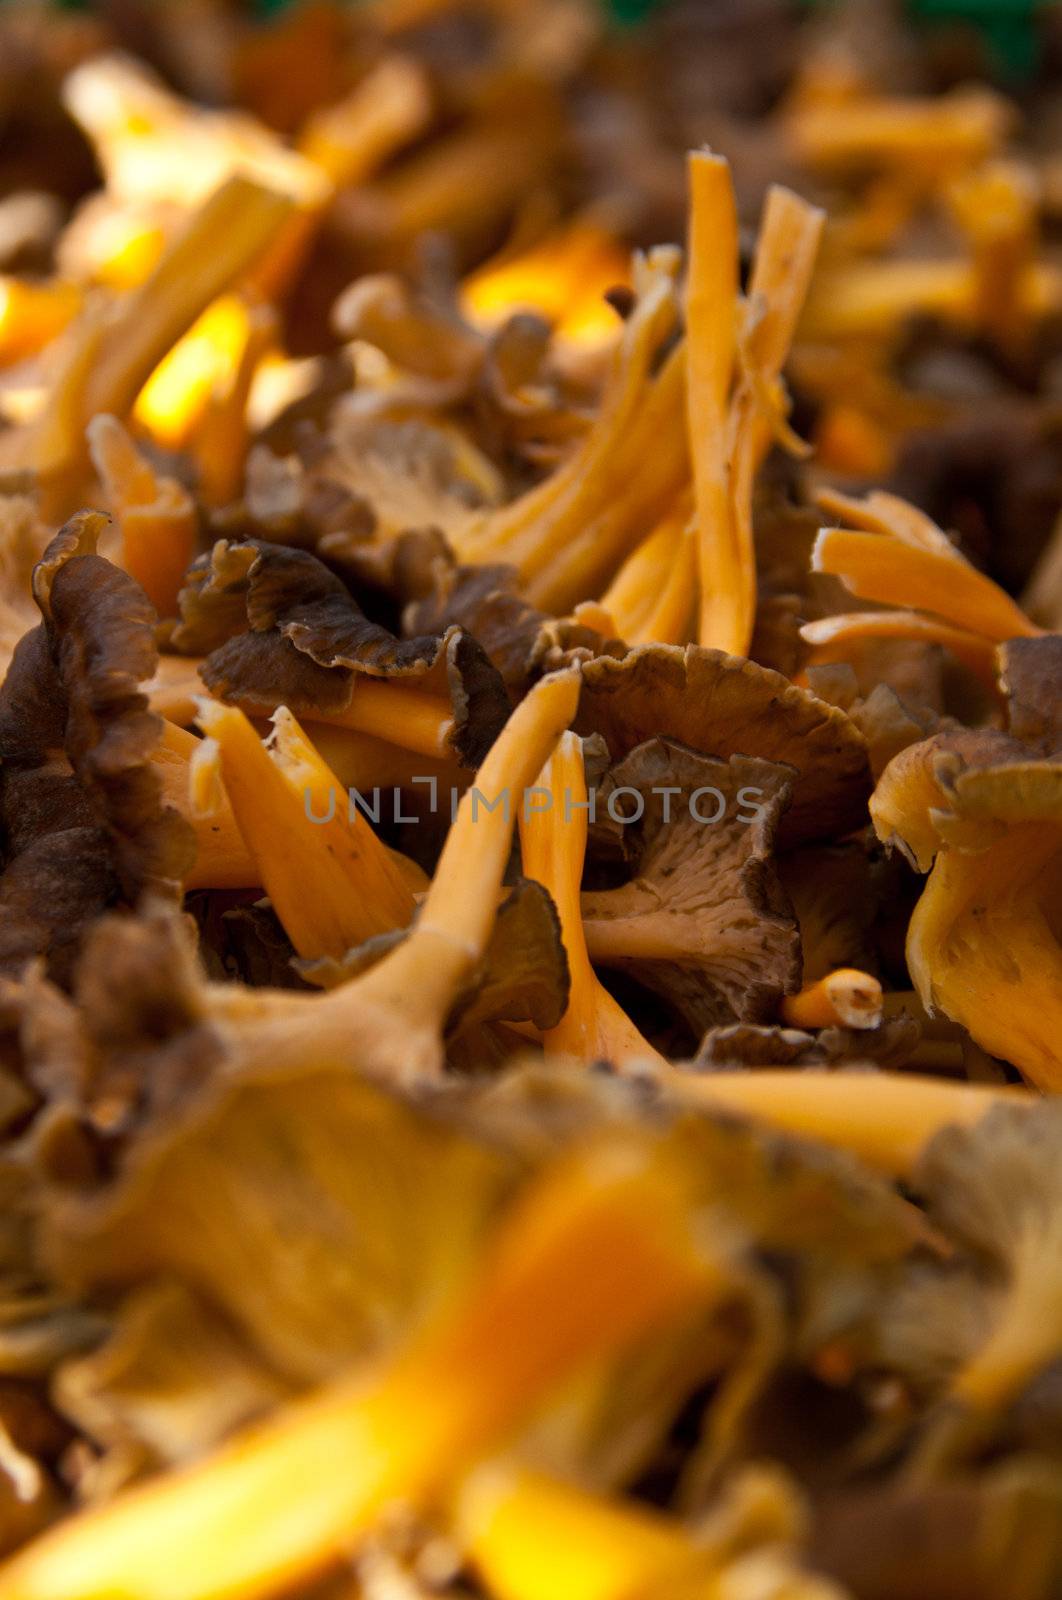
(282, 629)
(721, 706)
(704, 920)
(983, 943)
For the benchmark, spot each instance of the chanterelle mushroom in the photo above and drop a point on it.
(721, 706)
(389, 1021)
(594, 1026)
(85, 820)
(895, 554)
(597, 1253)
(983, 816)
(332, 882)
(294, 636)
(704, 920)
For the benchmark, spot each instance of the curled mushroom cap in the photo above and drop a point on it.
(721, 706)
(486, 599)
(984, 817)
(86, 822)
(291, 634)
(704, 920)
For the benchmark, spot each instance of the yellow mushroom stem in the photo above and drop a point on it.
(880, 567)
(583, 563)
(156, 515)
(389, 1021)
(364, 762)
(220, 440)
(553, 829)
(876, 298)
(996, 206)
(885, 1118)
(938, 134)
(528, 1535)
(349, 139)
(790, 232)
(410, 718)
(222, 859)
(831, 638)
(220, 241)
(190, 769)
(786, 251)
(332, 882)
(595, 615)
(171, 404)
(881, 512)
(405, 718)
(877, 216)
(460, 181)
(844, 998)
(650, 600)
(729, 435)
(711, 318)
(598, 1254)
(591, 491)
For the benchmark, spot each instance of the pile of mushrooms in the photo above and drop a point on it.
(530, 961)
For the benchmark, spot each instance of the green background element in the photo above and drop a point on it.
(1007, 26)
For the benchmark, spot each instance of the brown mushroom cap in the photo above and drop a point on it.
(84, 816)
(520, 640)
(723, 705)
(269, 1182)
(704, 921)
(299, 639)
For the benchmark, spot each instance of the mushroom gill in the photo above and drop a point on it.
(703, 920)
